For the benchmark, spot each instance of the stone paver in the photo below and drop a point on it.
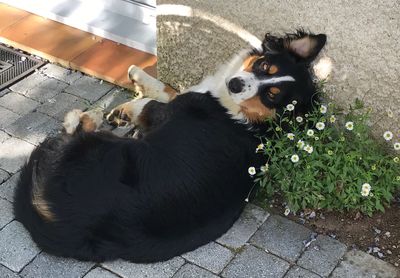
(193, 271)
(162, 270)
(89, 88)
(281, 237)
(28, 83)
(14, 153)
(3, 176)
(61, 104)
(360, 264)
(7, 117)
(6, 273)
(46, 91)
(60, 73)
(3, 136)
(45, 265)
(322, 255)
(298, 272)
(4, 92)
(16, 248)
(18, 103)
(7, 189)
(211, 256)
(253, 262)
(6, 215)
(248, 223)
(99, 272)
(34, 127)
(113, 98)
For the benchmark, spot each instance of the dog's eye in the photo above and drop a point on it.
(264, 66)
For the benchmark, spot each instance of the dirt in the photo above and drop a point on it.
(378, 235)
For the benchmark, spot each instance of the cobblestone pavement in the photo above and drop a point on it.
(258, 245)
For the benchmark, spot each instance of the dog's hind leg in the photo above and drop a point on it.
(76, 120)
(149, 86)
(145, 113)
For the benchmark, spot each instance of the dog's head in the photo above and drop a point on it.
(279, 74)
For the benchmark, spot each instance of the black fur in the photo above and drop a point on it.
(180, 186)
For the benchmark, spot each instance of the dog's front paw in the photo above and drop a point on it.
(122, 115)
(87, 121)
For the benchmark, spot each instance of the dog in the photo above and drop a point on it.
(94, 196)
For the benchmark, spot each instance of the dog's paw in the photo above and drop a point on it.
(135, 73)
(87, 121)
(122, 115)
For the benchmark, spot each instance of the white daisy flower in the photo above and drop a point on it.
(300, 144)
(252, 171)
(396, 146)
(364, 192)
(287, 211)
(388, 135)
(366, 186)
(310, 132)
(264, 168)
(320, 126)
(260, 147)
(396, 159)
(316, 138)
(290, 107)
(294, 102)
(299, 119)
(309, 149)
(349, 125)
(294, 158)
(332, 119)
(323, 109)
(290, 136)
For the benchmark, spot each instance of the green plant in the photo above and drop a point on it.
(328, 160)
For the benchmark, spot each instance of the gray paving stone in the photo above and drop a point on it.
(3, 136)
(7, 117)
(6, 215)
(282, 237)
(248, 223)
(45, 265)
(46, 91)
(161, 269)
(298, 272)
(113, 98)
(28, 83)
(4, 92)
(14, 153)
(89, 88)
(7, 189)
(211, 256)
(3, 176)
(34, 127)
(193, 271)
(61, 104)
(253, 262)
(16, 247)
(55, 71)
(99, 272)
(322, 255)
(6, 273)
(18, 103)
(360, 264)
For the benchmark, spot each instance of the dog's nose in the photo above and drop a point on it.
(235, 85)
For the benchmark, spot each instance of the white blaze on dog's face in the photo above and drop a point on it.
(276, 76)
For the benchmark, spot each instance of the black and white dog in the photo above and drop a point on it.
(95, 196)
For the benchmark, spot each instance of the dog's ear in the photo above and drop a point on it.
(303, 46)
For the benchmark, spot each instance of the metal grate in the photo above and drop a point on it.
(15, 65)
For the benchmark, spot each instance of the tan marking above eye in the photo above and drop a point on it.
(274, 90)
(273, 69)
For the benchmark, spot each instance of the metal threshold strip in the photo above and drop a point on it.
(15, 65)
